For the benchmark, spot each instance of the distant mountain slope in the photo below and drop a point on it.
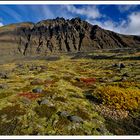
(60, 35)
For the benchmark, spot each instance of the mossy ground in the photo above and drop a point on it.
(90, 87)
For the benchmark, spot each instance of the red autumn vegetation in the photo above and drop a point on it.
(88, 80)
(29, 95)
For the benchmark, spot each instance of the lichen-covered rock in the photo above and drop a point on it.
(75, 119)
(37, 90)
(121, 65)
(37, 82)
(26, 100)
(3, 86)
(45, 102)
(4, 75)
(63, 114)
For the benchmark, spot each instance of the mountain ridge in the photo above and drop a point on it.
(61, 35)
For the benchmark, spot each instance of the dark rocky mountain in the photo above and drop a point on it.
(60, 35)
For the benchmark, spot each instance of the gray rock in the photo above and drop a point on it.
(115, 65)
(3, 86)
(63, 114)
(125, 75)
(121, 65)
(37, 82)
(45, 102)
(37, 90)
(75, 119)
(4, 75)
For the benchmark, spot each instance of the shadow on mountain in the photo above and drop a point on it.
(99, 57)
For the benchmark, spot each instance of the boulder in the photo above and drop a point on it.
(37, 90)
(37, 82)
(4, 75)
(45, 102)
(121, 65)
(63, 114)
(26, 100)
(75, 119)
(3, 86)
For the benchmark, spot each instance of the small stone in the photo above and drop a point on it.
(37, 90)
(125, 75)
(4, 75)
(3, 86)
(63, 114)
(115, 65)
(37, 82)
(75, 119)
(121, 65)
(45, 102)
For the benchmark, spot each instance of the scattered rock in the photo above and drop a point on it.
(63, 114)
(115, 65)
(4, 75)
(45, 102)
(75, 119)
(3, 86)
(77, 79)
(121, 65)
(37, 90)
(124, 79)
(37, 82)
(125, 75)
(25, 100)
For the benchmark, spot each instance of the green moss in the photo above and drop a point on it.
(45, 111)
(61, 99)
(11, 112)
(82, 113)
(7, 128)
(5, 94)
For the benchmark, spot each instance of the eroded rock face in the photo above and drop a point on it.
(60, 35)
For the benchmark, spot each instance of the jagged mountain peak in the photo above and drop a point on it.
(63, 35)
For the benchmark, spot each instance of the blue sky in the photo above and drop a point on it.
(123, 19)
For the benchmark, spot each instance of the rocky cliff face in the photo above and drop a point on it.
(60, 35)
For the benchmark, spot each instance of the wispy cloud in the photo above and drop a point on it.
(88, 11)
(125, 8)
(130, 25)
(127, 20)
(1, 24)
(12, 13)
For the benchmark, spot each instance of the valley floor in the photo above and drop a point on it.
(78, 94)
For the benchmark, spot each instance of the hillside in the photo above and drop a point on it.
(60, 35)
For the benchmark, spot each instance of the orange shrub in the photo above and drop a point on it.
(120, 98)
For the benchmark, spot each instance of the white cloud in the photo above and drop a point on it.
(125, 8)
(1, 24)
(88, 11)
(130, 26)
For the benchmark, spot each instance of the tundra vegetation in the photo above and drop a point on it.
(94, 93)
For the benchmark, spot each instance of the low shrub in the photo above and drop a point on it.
(120, 98)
